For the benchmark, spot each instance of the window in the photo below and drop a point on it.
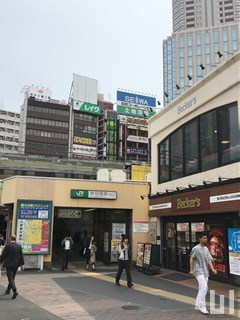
(176, 155)
(230, 135)
(191, 148)
(208, 140)
(164, 161)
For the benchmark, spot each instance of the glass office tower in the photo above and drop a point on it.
(205, 34)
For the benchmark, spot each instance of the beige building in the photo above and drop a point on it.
(42, 210)
(196, 171)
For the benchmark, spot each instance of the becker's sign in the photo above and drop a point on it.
(192, 202)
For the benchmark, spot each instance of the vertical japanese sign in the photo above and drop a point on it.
(234, 250)
(117, 230)
(33, 226)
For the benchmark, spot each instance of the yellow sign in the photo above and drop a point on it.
(139, 172)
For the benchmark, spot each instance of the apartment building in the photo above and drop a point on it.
(9, 131)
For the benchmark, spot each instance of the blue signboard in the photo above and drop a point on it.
(234, 250)
(136, 99)
(33, 226)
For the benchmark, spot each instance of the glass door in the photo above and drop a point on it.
(183, 246)
(169, 245)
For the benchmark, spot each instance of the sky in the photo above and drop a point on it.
(119, 43)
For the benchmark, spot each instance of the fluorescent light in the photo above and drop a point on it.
(225, 141)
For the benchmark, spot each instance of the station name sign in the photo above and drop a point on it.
(93, 194)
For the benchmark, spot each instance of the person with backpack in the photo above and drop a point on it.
(124, 261)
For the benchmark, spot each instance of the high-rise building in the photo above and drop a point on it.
(205, 34)
(44, 128)
(189, 14)
(9, 131)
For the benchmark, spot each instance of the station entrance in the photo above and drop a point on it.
(106, 225)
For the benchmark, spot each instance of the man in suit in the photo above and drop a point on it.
(124, 261)
(12, 257)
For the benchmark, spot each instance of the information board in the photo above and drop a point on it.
(33, 226)
(234, 250)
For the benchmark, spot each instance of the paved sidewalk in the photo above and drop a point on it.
(84, 295)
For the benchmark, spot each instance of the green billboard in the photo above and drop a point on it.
(135, 112)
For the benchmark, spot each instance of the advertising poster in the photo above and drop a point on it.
(147, 254)
(140, 253)
(34, 226)
(216, 246)
(234, 250)
(117, 230)
(197, 227)
(114, 250)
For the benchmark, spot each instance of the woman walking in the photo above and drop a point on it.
(87, 249)
(93, 255)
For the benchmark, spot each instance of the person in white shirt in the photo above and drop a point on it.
(66, 244)
(124, 261)
(200, 263)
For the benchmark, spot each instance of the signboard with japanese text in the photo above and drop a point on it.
(136, 99)
(140, 226)
(33, 226)
(93, 194)
(87, 107)
(87, 151)
(135, 112)
(140, 151)
(84, 141)
(137, 139)
(69, 213)
(234, 250)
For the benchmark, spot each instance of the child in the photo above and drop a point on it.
(93, 251)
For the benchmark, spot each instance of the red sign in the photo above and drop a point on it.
(216, 246)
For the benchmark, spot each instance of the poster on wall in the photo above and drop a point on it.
(114, 250)
(234, 250)
(216, 246)
(117, 230)
(197, 227)
(140, 226)
(33, 226)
